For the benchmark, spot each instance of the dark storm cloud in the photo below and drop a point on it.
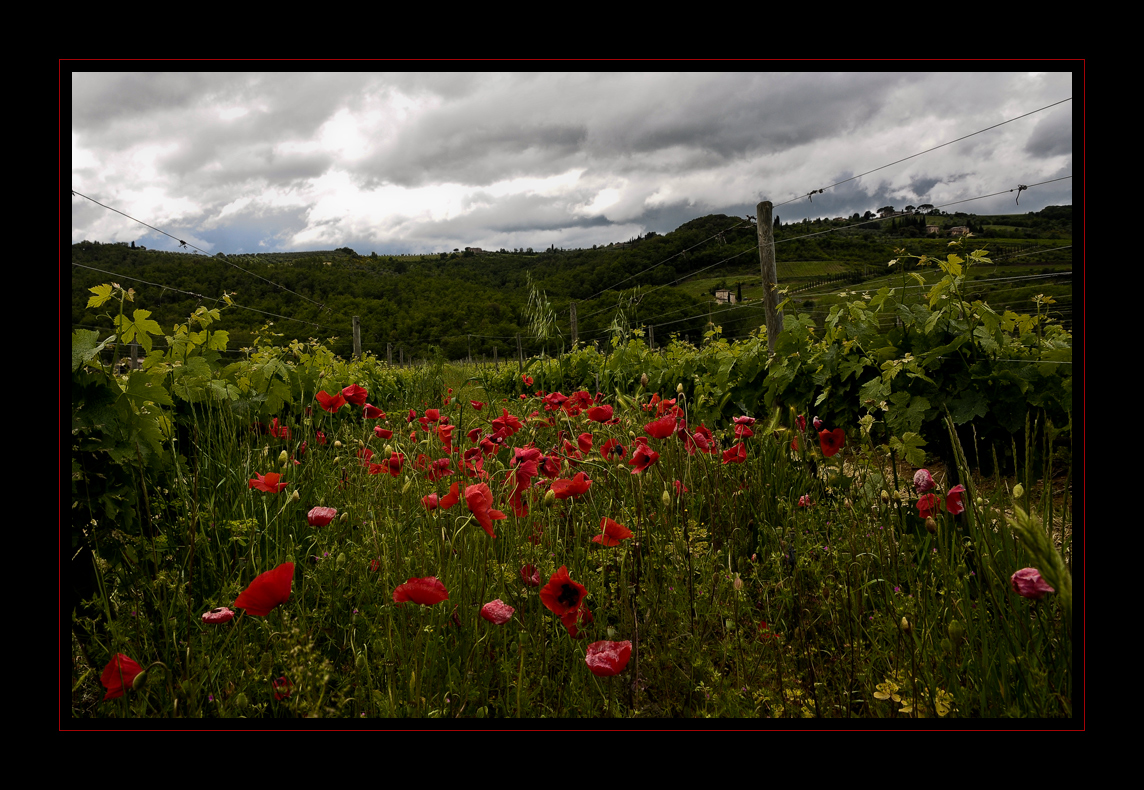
(1052, 136)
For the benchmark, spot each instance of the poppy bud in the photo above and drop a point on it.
(956, 631)
(408, 482)
(341, 559)
(550, 498)
(283, 458)
(931, 525)
(885, 497)
(344, 517)
(666, 498)
(1018, 491)
(679, 389)
(898, 496)
(738, 583)
(360, 662)
(338, 445)
(139, 680)
(240, 700)
(906, 627)
(643, 380)
(389, 449)
(295, 496)
(266, 665)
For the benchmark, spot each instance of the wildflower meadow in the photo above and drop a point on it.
(299, 535)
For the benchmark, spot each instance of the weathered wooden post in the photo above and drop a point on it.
(574, 327)
(389, 354)
(770, 273)
(357, 337)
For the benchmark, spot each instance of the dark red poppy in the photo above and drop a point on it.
(330, 403)
(430, 501)
(477, 405)
(269, 483)
(584, 442)
(451, 498)
(382, 433)
(267, 591)
(526, 379)
(642, 458)
(480, 501)
(118, 675)
(600, 413)
(530, 575)
(355, 395)
(282, 688)
(953, 500)
(736, 454)
(497, 612)
(927, 505)
(831, 441)
(574, 619)
(371, 412)
(613, 448)
(506, 424)
(743, 427)
(611, 533)
(427, 591)
(562, 595)
(574, 488)
(661, 428)
(608, 658)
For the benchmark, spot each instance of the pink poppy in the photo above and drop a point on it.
(608, 658)
(530, 575)
(1028, 583)
(218, 616)
(923, 481)
(321, 516)
(497, 612)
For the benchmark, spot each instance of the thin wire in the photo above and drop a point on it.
(187, 244)
(928, 150)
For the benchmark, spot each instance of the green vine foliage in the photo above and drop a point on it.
(896, 361)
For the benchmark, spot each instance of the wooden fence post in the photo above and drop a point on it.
(574, 327)
(770, 273)
(357, 337)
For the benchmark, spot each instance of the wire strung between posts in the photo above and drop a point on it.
(928, 150)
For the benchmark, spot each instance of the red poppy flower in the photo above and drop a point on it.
(427, 591)
(497, 612)
(282, 688)
(320, 436)
(530, 575)
(382, 433)
(506, 424)
(330, 403)
(321, 516)
(612, 533)
(612, 447)
(574, 619)
(480, 501)
(218, 616)
(394, 464)
(477, 405)
(118, 675)
(371, 412)
(451, 498)
(364, 454)
(743, 427)
(584, 442)
(661, 428)
(831, 441)
(267, 590)
(953, 500)
(680, 488)
(526, 379)
(574, 488)
(736, 454)
(600, 413)
(562, 595)
(270, 483)
(927, 505)
(642, 458)
(355, 395)
(608, 658)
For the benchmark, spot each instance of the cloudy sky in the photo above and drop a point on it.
(407, 162)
